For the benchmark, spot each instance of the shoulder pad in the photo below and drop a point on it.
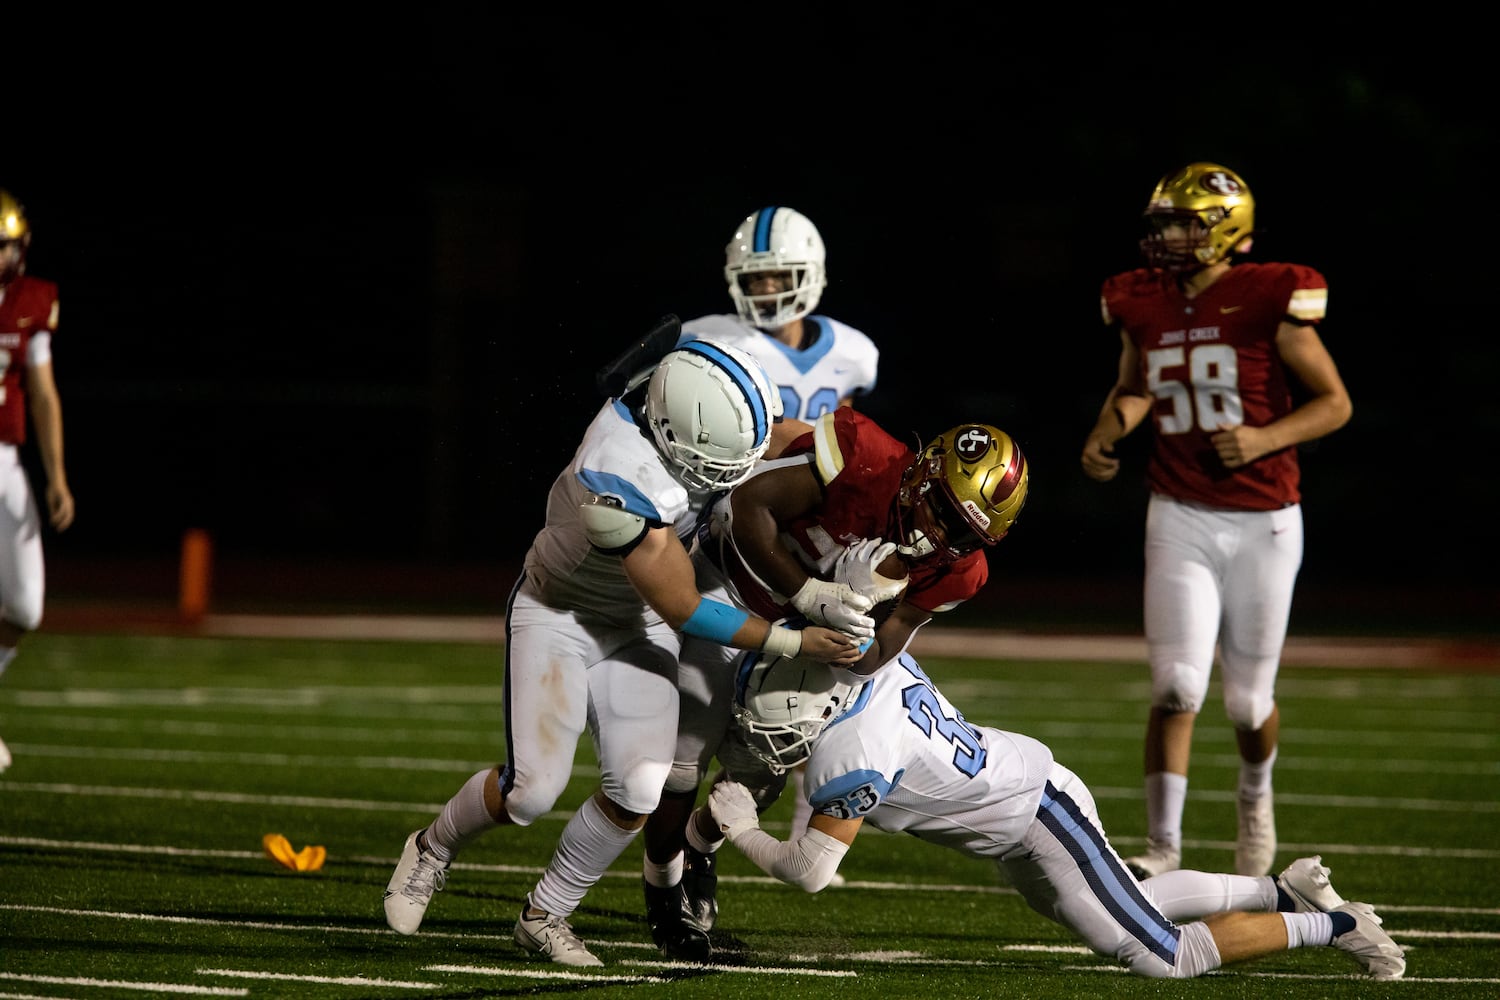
(610, 527)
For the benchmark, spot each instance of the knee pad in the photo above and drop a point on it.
(685, 778)
(530, 798)
(637, 788)
(1179, 687)
(1245, 708)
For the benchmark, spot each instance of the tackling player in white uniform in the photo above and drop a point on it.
(775, 265)
(891, 750)
(592, 633)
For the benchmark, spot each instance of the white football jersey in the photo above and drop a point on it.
(840, 361)
(615, 459)
(905, 760)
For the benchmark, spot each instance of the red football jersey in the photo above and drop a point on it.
(861, 467)
(29, 305)
(1212, 360)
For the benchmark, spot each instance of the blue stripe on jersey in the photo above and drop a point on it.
(763, 222)
(1112, 885)
(742, 378)
(609, 485)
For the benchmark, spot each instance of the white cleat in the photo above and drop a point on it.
(4, 756)
(1306, 882)
(1159, 857)
(1256, 849)
(552, 938)
(1370, 946)
(417, 876)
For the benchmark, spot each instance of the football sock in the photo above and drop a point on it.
(463, 818)
(664, 876)
(1165, 795)
(1310, 928)
(1255, 779)
(590, 844)
(695, 837)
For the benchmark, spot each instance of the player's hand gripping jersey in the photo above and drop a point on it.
(1211, 361)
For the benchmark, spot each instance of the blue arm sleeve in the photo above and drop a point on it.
(714, 620)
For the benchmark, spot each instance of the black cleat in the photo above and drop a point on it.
(678, 939)
(700, 888)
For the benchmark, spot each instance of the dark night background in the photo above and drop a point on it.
(336, 291)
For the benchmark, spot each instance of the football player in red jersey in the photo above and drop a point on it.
(845, 501)
(1225, 357)
(28, 318)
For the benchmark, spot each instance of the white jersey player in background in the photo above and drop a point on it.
(592, 633)
(893, 751)
(776, 267)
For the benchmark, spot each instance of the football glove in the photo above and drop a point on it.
(836, 606)
(857, 567)
(733, 807)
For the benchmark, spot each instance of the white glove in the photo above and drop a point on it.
(733, 807)
(856, 566)
(835, 606)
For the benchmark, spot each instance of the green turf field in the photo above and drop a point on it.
(147, 770)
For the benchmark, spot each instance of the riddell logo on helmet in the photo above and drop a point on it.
(973, 443)
(976, 514)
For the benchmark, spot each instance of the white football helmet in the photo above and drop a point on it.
(782, 705)
(776, 239)
(710, 408)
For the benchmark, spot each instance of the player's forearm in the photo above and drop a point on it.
(809, 862)
(1123, 410)
(47, 419)
(1317, 417)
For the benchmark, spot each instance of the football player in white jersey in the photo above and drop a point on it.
(776, 268)
(594, 627)
(890, 749)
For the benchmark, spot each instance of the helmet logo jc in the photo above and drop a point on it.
(972, 443)
(1221, 183)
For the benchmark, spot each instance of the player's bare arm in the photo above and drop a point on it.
(661, 571)
(1125, 407)
(761, 505)
(46, 417)
(1326, 410)
(783, 433)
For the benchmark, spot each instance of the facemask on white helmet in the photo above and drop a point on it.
(776, 240)
(783, 705)
(710, 408)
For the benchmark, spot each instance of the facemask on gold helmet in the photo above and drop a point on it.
(963, 493)
(15, 237)
(1197, 216)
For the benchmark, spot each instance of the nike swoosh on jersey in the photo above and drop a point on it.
(1230, 309)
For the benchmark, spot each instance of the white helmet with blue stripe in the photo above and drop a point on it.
(710, 408)
(776, 239)
(783, 704)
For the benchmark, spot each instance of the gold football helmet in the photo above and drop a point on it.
(15, 236)
(1211, 203)
(963, 493)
